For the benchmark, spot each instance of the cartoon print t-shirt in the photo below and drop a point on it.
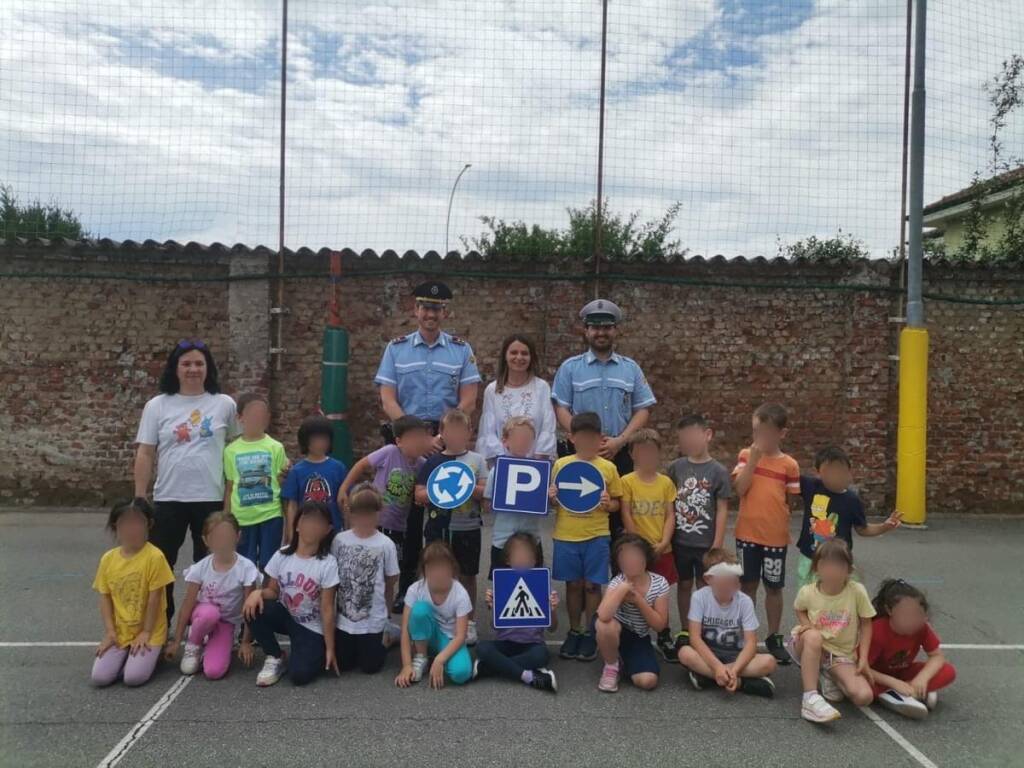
(301, 580)
(827, 515)
(225, 589)
(316, 481)
(129, 581)
(395, 479)
(253, 467)
(699, 487)
(189, 432)
(363, 566)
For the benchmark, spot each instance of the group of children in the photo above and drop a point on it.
(324, 559)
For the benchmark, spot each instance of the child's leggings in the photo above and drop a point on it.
(219, 636)
(510, 659)
(941, 679)
(423, 626)
(309, 654)
(136, 669)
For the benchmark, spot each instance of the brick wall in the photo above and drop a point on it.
(79, 357)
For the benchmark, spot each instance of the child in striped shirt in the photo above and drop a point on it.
(636, 603)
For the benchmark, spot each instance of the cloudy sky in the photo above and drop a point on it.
(767, 120)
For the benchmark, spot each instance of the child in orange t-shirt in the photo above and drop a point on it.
(764, 478)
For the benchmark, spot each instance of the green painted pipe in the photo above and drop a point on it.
(334, 390)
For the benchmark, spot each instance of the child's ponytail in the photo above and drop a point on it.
(892, 591)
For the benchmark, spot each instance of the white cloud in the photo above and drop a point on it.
(153, 121)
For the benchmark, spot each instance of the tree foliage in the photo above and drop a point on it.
(838, 248)
(621, 236)
(36, 219)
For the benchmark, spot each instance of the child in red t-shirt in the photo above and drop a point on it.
(898, 634)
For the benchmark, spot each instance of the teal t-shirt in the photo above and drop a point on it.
(253, 467)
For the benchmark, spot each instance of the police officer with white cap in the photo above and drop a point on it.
(604, 382)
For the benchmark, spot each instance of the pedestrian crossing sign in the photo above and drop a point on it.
(522, 598)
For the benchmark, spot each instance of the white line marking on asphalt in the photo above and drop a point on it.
(147, 720)
(43, 644)
(896, 736)
(981, 647)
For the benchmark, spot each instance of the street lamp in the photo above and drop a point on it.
(451, 198)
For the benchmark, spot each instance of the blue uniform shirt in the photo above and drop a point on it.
(613, 390)
(427, 377)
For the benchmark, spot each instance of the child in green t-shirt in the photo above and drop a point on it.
(253, 465)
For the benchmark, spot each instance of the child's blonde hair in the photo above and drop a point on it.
(833, 551)
(645, 436)
(216, 518)
(454, 416)
(718, 555)
(514, 423)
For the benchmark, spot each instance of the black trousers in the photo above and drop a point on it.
(363, 652)
(173, 519)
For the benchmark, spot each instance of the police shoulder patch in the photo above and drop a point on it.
(399, 339)
(458, 340)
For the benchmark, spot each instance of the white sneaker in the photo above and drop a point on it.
(392, 634)
(907, 706)
(419, 666)
(273, 669)
(190, 659)
(931, 700)
(830, 688)
(817, 710)
(471, 637)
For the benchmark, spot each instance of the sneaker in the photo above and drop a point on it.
(471, 636)
(571, 647)
(392, 635)
(587, 647)
(682, 638)
(544, 680)
(609, 682)
(273, 669)
(777, 648)
(667, 645)
(790, 645)
(907, 706)
(758, 686)
(931, 700)
(817, 710)
(419, 666)
(830, 688)
(700, 682)
(190, 659)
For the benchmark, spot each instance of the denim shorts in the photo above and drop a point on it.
(582, 560)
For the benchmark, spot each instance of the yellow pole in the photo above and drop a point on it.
(911, 438)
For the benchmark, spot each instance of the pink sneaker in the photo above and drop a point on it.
(609, 682)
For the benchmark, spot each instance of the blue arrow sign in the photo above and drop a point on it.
(522, 598)
(450, 485)
(520, 485)
(580, 485)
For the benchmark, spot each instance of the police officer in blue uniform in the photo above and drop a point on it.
(424, 374)
(605, 382)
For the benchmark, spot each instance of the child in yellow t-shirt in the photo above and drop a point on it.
(582, 541)
(648, 499)
(131, 580)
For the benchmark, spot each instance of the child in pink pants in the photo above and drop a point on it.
(216, 590)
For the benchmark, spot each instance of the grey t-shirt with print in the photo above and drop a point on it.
(698, 489)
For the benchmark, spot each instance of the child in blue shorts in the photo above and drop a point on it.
(582, 540)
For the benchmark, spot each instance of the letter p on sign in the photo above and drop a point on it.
(520, 485)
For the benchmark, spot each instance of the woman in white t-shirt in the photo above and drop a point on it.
(183, 432)
(518, 390)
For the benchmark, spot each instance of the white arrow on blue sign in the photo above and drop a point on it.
(450, 485)
(520, 485)
(580, 485)
(522, 598)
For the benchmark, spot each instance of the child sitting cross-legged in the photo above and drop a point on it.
(723, 633)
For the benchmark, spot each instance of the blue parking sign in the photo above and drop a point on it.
(522, 598)
(580, 485)
(450, 485)
(520, 485)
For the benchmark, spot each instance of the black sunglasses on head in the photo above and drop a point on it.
(191, 344)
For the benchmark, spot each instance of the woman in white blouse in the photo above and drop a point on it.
(517, 391)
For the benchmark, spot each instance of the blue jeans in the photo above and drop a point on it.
(510, 659)
(308, 652)
(423, 626)
(259, 542)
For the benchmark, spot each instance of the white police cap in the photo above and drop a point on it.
(601, 312)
